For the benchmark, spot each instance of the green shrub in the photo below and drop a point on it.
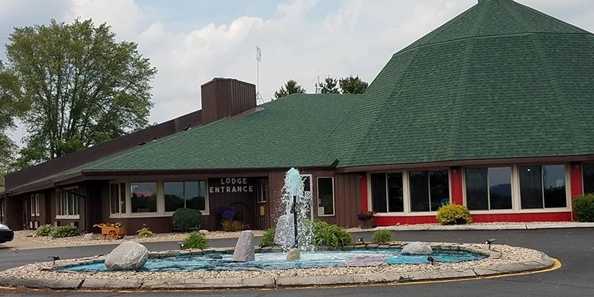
(44, 230)
(64, 231)
(583, 208)
(144, 232)
(267, 238)
(382, 236)
(453, 214)
(195, 241)
(186, 219)
(330, 235)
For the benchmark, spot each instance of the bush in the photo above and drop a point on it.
(195, 241)
(232, 226)
(144, 232)
(382, 236)
(583, 208)
(330, 235)
(44, 230)
(453, 214)
(64, 231)
(267, 238)
(186, 219)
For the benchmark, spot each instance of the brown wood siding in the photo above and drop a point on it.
(226, 97)
(347, 198)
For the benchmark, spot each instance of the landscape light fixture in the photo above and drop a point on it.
(489, 242)
(54, 259)
(431, 260)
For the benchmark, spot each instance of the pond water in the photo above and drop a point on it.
(277, 261)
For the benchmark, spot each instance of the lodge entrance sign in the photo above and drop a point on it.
(225, 185)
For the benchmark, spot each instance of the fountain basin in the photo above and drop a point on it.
(215, 261)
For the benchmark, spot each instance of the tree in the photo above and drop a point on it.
(290, 87)
(82, 87)
(9, 110)
(329, 86)
(353, 85)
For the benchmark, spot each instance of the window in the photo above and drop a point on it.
(429, 190)
(117, 201)
(3, 210)
(188, 194)
(34, 204)
(262, 192)
(542, 186)
(588, 170)
(143, 197)
(387, 192)
(67, 204)
(325, 196)
(488, 188)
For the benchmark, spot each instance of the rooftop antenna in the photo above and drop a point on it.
(258, 61)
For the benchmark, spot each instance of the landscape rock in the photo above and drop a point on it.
(90, 236)
(129, 255)
(245, 248)
(366, 261)
(293, 255)
(284, 234)
(417, 248)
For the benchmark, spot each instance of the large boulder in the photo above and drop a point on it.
(294, 255)
(417, 248)
(129, 255)
(284, 234)
(245, 249)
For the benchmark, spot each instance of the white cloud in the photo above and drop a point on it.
(356, 38)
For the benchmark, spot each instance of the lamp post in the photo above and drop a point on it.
(294, 210)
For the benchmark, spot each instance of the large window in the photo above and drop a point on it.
(117, 201)
(488, 188)
(387, 192)
(187, 194)
(542, 186)
(429, 190)
(67, 204)
(325, 196)
(143, 197)
(588, 170)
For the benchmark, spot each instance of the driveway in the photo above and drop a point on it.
(574, 247)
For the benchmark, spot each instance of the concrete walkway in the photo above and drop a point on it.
(23, 239)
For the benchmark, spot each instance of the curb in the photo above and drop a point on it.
(87, 282)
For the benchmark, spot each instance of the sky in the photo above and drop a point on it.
(192, 41)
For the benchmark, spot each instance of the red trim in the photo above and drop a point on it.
(576, 178)
(456, 186)
(363, 189)
(482, 218)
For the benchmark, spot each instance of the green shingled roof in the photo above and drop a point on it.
(499, 81)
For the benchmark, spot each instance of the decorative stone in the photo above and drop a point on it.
(366, 261)
(417, 248)
(129, 255)
(203, 232)
(293, 255)
(90, 236)
(245, 247)
(284, 234)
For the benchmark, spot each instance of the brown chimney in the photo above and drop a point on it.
(225, 97)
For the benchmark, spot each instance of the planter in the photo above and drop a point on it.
(112, 231)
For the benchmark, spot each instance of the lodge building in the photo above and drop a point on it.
(494, 110)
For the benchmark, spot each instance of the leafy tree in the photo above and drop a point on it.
(329, 86)
(9, 109)
(290, 87)
(82, 86)
(353, 85)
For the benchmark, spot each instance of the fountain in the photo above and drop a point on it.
(294, 229)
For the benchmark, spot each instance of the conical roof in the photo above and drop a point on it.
(501, 80)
